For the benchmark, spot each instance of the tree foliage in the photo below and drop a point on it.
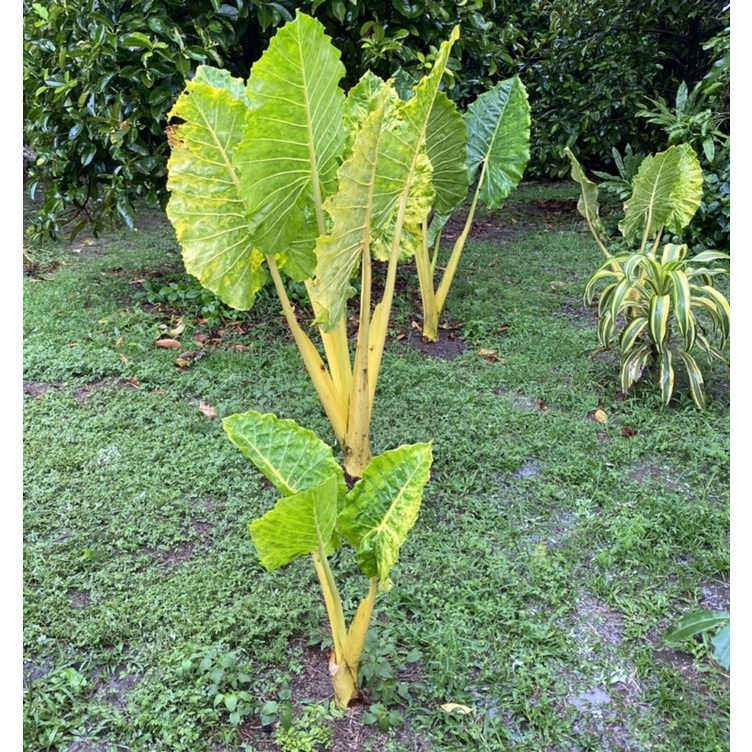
(100, 76)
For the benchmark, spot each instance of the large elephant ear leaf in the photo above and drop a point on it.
(383, 506)
(293, 139)
(206, 207)
(667, 192)
(446, 144)
(385, 189)
(291, 457)
(498, 124)
(298, 525)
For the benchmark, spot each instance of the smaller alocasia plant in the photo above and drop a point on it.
(658, 304)
(490, 146)
(317, 510)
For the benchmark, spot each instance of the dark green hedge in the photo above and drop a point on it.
(100, 76)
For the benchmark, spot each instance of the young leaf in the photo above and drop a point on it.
(291, 457)
(498, 124)
(587, 204)
(383, 506)
(298, 525)
(205, 207)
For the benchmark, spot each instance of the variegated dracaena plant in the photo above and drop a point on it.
(658, 303)
(317, 510)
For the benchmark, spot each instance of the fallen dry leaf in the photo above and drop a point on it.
(240, 348)
(455, 707)
(628, 431)
(209, 410)
(178, 330)
(167, 343)
(492, 356)
(119, 342)
(599, 416)
(416, 325)
(134, 382)
(124, 358)
(541, 404)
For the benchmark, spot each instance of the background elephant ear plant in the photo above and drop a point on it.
(658, 304)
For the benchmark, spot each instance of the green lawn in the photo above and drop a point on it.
(551, 552)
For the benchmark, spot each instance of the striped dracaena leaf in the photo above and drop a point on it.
(633, 364)
(297, 525)
(631, 332)
(383, 506)
(206, 206)
(719, 308)
(707, 256)
(666, 375)
(602, 273)
(658, 317)
(681, 300)
(694, 375)
(620, 298)
(604, 302)
(291, 457)
(606, 330)
(673, 252)
(292, 141)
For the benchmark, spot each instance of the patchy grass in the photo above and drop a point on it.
(551, 552)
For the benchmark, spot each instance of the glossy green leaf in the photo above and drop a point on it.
(498, 124)
(383, 506)
(299, 524)
(292, 140)
(291, 457)
(205, 207)
(361, 100)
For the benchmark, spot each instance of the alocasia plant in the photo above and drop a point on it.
(317, 510)
(289, 173)
(488, 146)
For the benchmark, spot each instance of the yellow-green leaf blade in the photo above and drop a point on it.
(383, 506)
(293, 138)
(297, 525)
(206, 208)
(290, 456)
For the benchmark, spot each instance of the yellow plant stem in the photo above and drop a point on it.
(454, 260)
(357, 439)
(334, 406)
(344, 660)
(427, 292)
